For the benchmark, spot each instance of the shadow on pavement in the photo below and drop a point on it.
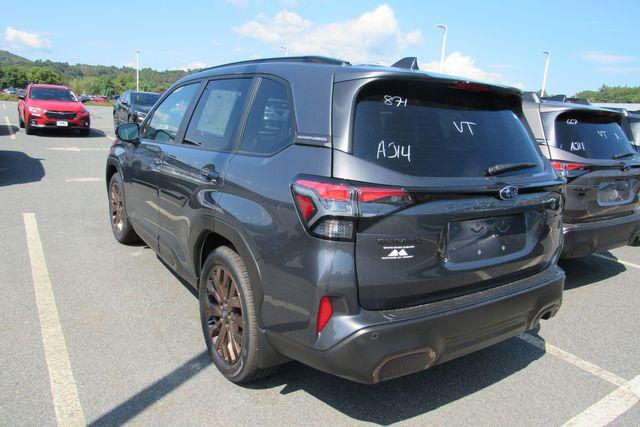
(8, 130)
(589, 270)
(66, 133)
(410, 396)
(17, 167)
(156, 391)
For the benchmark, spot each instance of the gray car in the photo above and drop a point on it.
(588, 146)
(368, 221)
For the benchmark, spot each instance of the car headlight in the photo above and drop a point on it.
(35, 110)
(84, 111)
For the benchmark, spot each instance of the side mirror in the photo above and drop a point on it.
(125, 103)
(21, 97)
(128, 132)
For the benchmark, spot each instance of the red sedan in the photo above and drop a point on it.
(52, 107)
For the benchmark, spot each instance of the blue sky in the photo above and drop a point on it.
(592, 43)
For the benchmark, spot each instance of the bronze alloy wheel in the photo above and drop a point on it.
(223, 313)
(117, 214)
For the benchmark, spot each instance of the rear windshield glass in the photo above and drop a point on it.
(145, 99)
(51, 94)
(438, 130)
(594, 136)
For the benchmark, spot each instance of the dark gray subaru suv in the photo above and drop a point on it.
(589, 147)
(367, 221)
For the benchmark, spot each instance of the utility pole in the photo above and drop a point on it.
(286, 50)
(444, 44)
(137, 70)
(546, 71)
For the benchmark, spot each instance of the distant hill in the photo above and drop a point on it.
(8, 58)
(84, 78)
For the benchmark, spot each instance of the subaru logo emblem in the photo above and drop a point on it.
(509, 192)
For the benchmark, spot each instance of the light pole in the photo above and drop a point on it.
(137, 70)
(444, 43)
(546, 71)
(286, 50)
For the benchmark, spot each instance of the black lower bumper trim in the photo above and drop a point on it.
(402, 347)
(599, 236)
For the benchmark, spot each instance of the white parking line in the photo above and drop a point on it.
(63, 386)
(83, 179)
(627, 263)
(610, 407)
(4, 106)
(6, 120)
(574, 360)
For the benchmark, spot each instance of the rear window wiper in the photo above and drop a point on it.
(623, 155)
(508, 167)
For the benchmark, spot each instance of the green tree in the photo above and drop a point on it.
(44, 75)
(14, 76)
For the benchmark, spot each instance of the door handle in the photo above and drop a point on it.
(209, 173)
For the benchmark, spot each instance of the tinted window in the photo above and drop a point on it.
(166, 119)
(215, 119)
(437, 130)
(144, 99)
(635, 130)
(52, 94)
(594, 136)
(269, 127)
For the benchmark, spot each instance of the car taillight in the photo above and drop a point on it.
(325, 311)
(569, 169)
(329, 208)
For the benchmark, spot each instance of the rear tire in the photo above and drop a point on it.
(228, 316)
(120, 225)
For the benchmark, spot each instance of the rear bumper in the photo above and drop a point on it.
(598, 236)
(409, 342)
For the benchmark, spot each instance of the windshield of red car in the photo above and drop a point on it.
(52, 94)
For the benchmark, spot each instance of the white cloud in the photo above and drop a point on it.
(620, 70)
(606, 58)
(19, 39)
(373, 37)
(459, 65)
(194, 65)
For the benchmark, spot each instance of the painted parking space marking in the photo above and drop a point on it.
(92, 179)
(6, 120)
(610, 407)
(4, 106)
(627, 263)
(64, 392)
(110, 137)
(574, 360)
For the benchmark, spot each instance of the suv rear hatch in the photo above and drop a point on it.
(602, 168)
(447, 159)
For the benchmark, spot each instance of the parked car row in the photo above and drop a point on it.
(368, 221)
(133, 106)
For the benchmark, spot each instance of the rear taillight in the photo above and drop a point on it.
(329, 208)
(569, 169)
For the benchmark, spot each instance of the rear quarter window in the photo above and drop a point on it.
(435, 130)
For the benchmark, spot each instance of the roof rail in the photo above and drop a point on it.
(300, 59)
(410, 62)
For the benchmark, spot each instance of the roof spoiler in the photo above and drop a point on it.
(410, 63)
(565, 98)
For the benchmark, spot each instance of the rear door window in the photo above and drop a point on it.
(441, 130)
(215, 120)
(594, 136)
(269, 127)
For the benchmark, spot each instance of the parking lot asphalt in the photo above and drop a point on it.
(130, 333)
